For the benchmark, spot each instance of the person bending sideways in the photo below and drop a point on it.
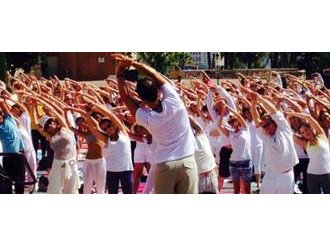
(166, 118)
(280, 154)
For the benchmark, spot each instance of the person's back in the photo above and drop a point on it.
(170, 128)
(168, 123)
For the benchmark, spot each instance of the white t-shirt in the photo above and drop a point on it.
(241, 145)
(118, 154)
(221, 140)
(25, 120)
(280, 154)
(170, 128)
(201, 122)
(319, 157)
(329, 137)
(204, 157)
(255, 138)
(300, 151)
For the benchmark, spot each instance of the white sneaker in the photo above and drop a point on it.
(296, 189)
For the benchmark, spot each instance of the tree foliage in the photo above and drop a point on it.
(164, 62)
(245, 60)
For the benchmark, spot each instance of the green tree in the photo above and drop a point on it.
(164, 62)
(245, 60)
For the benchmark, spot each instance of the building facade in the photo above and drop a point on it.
(208, 60)
(82, 66)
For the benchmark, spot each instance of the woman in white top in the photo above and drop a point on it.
(256, 141)
(315, 142)
(207, 179)
(63, 176)
(94, 168)
(240, 141)
(117, 151)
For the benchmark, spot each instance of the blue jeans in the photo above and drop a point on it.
(241, 170)
(125, 179)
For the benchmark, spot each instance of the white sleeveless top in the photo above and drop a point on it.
(118, 154)
(319, 157)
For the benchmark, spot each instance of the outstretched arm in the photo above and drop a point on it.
(314, 124)
(143, 68)
(105, 112)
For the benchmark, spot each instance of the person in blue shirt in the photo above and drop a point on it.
(12, 143)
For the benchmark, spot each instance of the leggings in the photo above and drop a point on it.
(318, 183)
(125, 178)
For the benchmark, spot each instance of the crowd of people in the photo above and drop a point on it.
(188, 137)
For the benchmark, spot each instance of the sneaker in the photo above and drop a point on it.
(296, 189)
(257, 191)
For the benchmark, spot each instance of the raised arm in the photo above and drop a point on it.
(143, 68)
(106, 113)
(239, 117)
(295, 106)
(91, 123)
(4, 107)
(313, 123)
(221, 128)
(270, 108)
(210, 108)
(59, 116)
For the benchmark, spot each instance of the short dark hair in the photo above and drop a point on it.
(268, 118)
(245, 109)
(105, 120)
(147, 90)
(48, 122)
(80, 119)
(96, 115)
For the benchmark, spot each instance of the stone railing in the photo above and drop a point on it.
(228, 74)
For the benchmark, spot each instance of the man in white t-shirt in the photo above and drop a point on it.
(167, 120)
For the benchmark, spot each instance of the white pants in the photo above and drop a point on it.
(150, 180)
(256, 155)
(63, 177)
(277, 183)
(94, 170)
(29, 153)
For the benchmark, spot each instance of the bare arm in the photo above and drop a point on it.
(59, 117)
(145, 69)
(221, 128)
(314, 124)
(105, 112)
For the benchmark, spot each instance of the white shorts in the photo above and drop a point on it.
(142, 154)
